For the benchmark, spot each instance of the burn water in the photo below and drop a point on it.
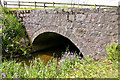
(45, 55)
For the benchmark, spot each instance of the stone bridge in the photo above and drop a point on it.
(88, 29)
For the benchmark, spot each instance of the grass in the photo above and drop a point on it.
(69, 66)
(12, 9)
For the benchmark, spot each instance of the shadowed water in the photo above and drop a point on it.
(45, 55)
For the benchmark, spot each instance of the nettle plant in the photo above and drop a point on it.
(14, 39)
(113, 51)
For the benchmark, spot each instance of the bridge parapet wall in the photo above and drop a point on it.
(89, 29)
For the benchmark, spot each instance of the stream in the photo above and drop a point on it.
(45, 55)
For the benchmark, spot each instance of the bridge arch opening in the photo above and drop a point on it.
(49, 43)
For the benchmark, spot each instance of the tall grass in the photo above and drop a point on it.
(69, 66)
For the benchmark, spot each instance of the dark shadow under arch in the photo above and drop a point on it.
(53, 41)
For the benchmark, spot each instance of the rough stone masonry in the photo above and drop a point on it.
(89, 29)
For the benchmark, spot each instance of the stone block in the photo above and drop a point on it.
(71, 17)
(94, 17)
(80, 17)
(63, 17)
(69, 25)
(88, 19)
(68, 33)
(80, 31)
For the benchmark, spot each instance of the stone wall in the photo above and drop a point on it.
(89, 29)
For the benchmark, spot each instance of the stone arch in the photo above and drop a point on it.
(60, 31)
(38, 36)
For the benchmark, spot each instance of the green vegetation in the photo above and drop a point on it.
(60, 7)
(0, 20)
(113, 51)
(12, 9)
(14, 40)
(69, 66)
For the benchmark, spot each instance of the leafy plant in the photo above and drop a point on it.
(14, 39)
(113, 51)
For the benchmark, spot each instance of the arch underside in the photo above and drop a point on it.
(47, 38)
(55, 30)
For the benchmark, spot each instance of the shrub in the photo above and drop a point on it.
(13, 40)
(113, 51)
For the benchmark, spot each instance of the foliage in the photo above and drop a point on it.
(113, 51)
(13, 40)
(69, 66)
(65, 6)
(0, 21)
